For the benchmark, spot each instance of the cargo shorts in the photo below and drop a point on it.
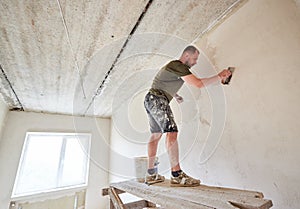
(161, 119)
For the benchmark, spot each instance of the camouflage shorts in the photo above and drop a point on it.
(160, 115)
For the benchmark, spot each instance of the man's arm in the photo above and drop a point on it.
(201, 82)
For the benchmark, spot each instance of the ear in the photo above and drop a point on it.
(186, 55)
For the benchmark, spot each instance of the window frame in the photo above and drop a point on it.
(59, 172)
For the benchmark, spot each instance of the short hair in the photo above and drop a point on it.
(190, 49)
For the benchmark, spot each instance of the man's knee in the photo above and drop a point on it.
(172, 136)
(155, 137)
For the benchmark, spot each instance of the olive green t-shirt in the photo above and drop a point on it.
(169, 80)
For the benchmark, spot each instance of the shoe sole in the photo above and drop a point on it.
(184, 185)
(154, 182)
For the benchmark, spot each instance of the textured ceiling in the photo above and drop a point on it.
(85, 57)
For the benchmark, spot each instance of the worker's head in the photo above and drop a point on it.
(190, 56)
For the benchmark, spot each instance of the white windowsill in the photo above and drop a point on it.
(54, 194)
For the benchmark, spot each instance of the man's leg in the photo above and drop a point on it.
(152, 176)
(173, 151)
(178, 177)
(152, 149)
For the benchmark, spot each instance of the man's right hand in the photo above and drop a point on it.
(224, 74)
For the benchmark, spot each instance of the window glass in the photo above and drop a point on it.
(52, 161)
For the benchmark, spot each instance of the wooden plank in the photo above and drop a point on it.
(164, 198)
(252, 204)
(230, 191)
(136, 205)
(111, 205)
(116, 200)
(199, 197)
(215, 189)
(106, 190)
(206, 195)
(150, 204)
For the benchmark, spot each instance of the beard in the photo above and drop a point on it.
(187, 63)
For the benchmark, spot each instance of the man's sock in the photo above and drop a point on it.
(176, 173)
(151, 171)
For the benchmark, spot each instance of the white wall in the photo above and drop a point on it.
(259, 110)
(3, 113)
(259, 148)
(18, 123)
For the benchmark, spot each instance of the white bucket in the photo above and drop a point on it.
(141, 166)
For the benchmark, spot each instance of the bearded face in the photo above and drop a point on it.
(191, 59)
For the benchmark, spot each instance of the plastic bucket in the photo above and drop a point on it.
(141, 166)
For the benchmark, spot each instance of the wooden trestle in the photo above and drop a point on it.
(162, 195)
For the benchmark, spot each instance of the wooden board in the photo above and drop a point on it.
(200, 197)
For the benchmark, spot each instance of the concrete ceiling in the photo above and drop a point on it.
(85, 57)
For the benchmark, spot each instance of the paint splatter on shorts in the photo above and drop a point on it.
(160, 115)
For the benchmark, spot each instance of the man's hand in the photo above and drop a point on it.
(178, 98)
(224, 74)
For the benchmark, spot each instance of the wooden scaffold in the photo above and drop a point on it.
(162, 195)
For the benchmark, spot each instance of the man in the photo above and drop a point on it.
(165, 85)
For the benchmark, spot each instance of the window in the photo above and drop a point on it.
(52, 161)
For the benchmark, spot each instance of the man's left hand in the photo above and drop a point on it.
(178, 98)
